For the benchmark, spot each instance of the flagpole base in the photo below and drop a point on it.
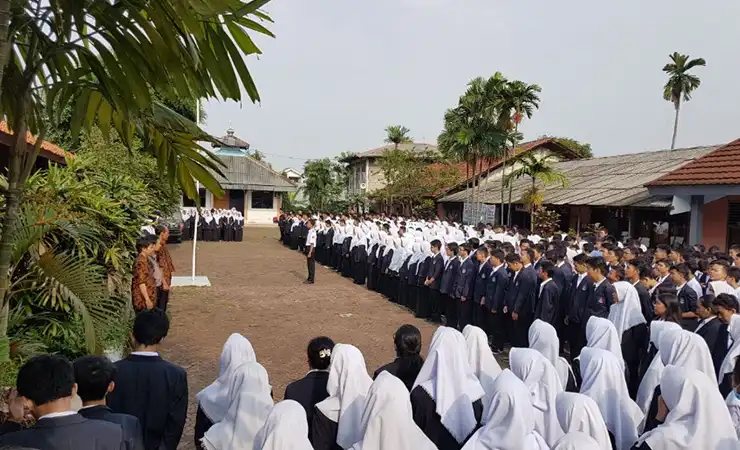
(199, 281)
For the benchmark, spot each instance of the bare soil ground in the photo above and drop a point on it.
(257, 290)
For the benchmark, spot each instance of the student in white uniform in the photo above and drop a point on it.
(311, 252)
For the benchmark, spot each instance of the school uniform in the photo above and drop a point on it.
(323, 432)
(385, 275)
(133, 437)
(427, 419)
(436, 269)
(521, 300)
(581, 288)
(308, 391)
(599, 301)
(714, 333)
(547, 302)
(562, 277)
(405, 369)
(403, 280)
(687, 299)
(498, 282)
(359, 264)
(423, 310)
(412, 289)
(372, 274)
(69, 431)
(464, 292)
(346, 270)
(664, 285)
(311, 260)
(447, 290)
(646, 303)
(479, 293)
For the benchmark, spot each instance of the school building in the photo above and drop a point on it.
(250, 186)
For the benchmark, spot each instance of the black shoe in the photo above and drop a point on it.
(308, 282)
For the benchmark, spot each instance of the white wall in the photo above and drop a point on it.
(260, 216)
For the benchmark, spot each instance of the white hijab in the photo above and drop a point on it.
(578, 441)
(544, 339)
(448, 379)
(250, 405)
(286, 428)
(510, 419)
(387, 421)
(728, 364)
(604, 382)
(651, 379)
(481, 360)
(627, 313)
(347, 387)
(541, 378)
(697, 417)
(214, 400)
(579, 413)
(686, 349)
(601, 333)
(399, 255)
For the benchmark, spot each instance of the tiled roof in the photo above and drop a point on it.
(721, 166)
(231, 141)
(31, 140)
(414, 147)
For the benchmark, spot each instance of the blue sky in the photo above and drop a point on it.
(340, 71)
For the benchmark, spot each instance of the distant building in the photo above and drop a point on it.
(250, 186)
(297, 178)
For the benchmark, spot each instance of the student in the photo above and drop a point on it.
(664, 283)
(47, 384)
(413, 291)
(548, 295)
(652, 366)
(733, 400)
(311, 249)
(423, 310)
(580, 289)
(632, 331)
(562, 276)
(95, 377)
(711, 329)
(496, 287)
(446, 397)
(448, 287)
(520, 298)
(482, 362)
(337, 420)
(667, 308)
(150, 388)
(408, 362)
(634, 272)
(733, 277)
(479, 286)
(579, 413)
(164, 261)
(685, 294)
(727, 307)
(213, 401)
(434, 280)
(544, 339)
(285, 429)
(603, 294)
(143, 284)
(465, 286)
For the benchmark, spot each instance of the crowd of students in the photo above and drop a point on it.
(213, 225)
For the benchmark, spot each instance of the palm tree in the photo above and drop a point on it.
(397, 134)
(680, 84)
(319, 184)
(519, 99)
(537, 169)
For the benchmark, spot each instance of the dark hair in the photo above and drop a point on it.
(619, 270)
(547, 267)
(530, 254)
(524, 241)
(608, 246)
(453, 247)
(672, 307)
(734, 273)
(727, 301)
(663, 247)
(93, 374)
(665, 262)
(580, 258)
(316, 348)
(598, 263)
(46, 378)
(498, 254)
(683, 269)
(735, 247)
(588, 247)
(540, 247)
(508, 247)
(407, 341)
(436, 243)
(145, 241)
(513, 258)
(151, 326)
(161, 229)
(465, 247)
(645, 271)
(483, 250)
(708, 302)
(474, 242)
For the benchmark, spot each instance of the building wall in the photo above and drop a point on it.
(714, 227)
(368, 171)
(223, 202)
(260, 216)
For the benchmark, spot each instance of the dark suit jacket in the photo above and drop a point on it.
(481, 280)
(562, 277)
(522, 292)
(646, 303)
(466, 279)
(688, 299)
(308, 391)
(72, 432)
(132, 434)
(579, 295)
(436, 270)
(600, 301)
(156, 392)
(666, 286)
(498, 281)
(450, 277)
(547, 302)
(714, 334)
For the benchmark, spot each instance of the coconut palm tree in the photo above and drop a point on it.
(680, 84)
(537, 168)
(519, 99)
(397, 134)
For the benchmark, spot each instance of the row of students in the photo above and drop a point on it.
(213, 225)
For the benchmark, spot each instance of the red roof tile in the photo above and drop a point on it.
(31, 140)
(718, 167)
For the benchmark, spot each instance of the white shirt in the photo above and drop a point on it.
(311, 238)
(596, 285)
(57, 414)
(560, 264)
(704, 322)
(694, 284)
(496, 268)
(483, 264)
(581, 277)
(543, 285)
(678, 289)
(145, 353)
(527, 265)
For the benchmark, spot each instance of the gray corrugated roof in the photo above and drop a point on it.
(607, 181)
(243, 172)
(414, 147)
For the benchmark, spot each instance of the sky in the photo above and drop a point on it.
(339, 71)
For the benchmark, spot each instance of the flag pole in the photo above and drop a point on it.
(197, 193)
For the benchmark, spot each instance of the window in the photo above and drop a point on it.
(262, 200)
(191, 203)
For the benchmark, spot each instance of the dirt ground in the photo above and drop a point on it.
(257, 291)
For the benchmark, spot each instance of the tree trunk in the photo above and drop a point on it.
(472, 204)
(509, 206)
(675, 124)
(480, 179)
(531, 208)
(4, 39)
(503, 184)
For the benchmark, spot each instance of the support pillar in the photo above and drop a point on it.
(696, 219)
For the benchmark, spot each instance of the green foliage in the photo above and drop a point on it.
(325, 184)
(680, 82)
(547, 221)
(580, 148)
(289, 204)
(397, 134)
(536, 168)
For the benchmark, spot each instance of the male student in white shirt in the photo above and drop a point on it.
(311, 251)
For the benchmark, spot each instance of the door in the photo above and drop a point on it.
(236, 200)
(733, 224)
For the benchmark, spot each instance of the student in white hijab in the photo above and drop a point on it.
(578, 413)
(250, 404)
(601, 333)
(446, 397)
(510, 423)
(651, 378)
(544, 339)
(214, 400)
(542, 380)
(603, 381)
(338, 418)
(728, 364)
(481, 360)
(697, 417)
(577, 441)
(284, 429)
(626, 315)
(387, 421)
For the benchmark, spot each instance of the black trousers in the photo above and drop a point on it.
(450, 310)
(464, 313)
(497, 328)
(576, 338)
(520, 331)
(435, 298)
(162, 298)
(311, 265)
